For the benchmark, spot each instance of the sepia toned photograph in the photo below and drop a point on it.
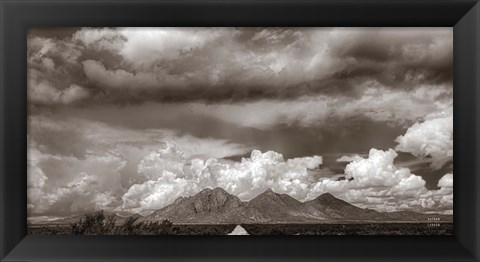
(240, 131)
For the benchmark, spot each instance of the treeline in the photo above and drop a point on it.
(99, 224)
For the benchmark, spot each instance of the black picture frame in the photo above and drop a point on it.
(18, 16)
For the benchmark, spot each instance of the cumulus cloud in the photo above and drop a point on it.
(377, 176)
(372, 182)
(171, 174)
(375, 182)
(431, 138)
(440, 200)
(155, 194)
(378, 171)
(446, 181)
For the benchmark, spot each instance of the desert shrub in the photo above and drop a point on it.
(99, 224)
(94, 224)
(128, 227)
(154, 228)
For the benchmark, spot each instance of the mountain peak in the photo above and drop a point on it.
(205, 190)
(327, 196)
(208, 206)
(219, 190)
(270, 198)
(214, 191)
(329, 199)
(267, 194)
(269, 191)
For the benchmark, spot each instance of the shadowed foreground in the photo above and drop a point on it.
(99, 224)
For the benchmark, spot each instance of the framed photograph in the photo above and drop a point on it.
(142, 130)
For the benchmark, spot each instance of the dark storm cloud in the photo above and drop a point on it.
(53, 32)
(398, 59)
(58, 139)
(291, 140)
(233, 64)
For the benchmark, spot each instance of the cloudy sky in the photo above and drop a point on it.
(129, 119)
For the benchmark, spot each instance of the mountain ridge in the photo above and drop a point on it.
(216, 206)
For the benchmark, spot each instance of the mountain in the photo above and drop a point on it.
(279, 208)
(210, 206)
(216, 206)
(332, 208)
